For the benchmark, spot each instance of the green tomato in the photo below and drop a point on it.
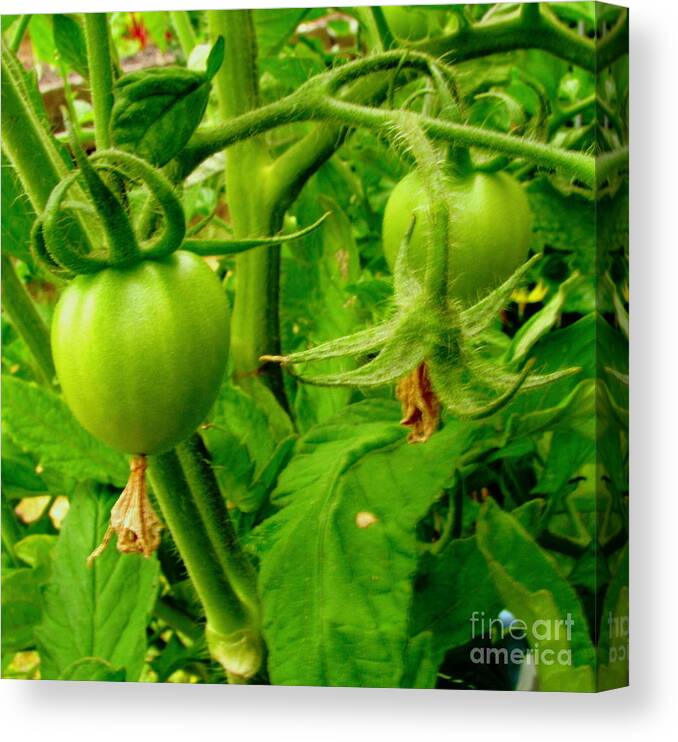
(490, 230)
(140, 352)
(410, 24)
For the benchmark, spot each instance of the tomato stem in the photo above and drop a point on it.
(100, 75)
(255, 327)
(232, 629)
(186, 35)
(207, 496)
(21, 26)
(25, 318)
(312, 103)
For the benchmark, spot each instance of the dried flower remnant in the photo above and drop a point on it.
(133, 518)
(421, 407)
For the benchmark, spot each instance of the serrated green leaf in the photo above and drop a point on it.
(69, 39)
(36, 551)
(541, 322)
(38, 421)
(338, 559)
(562, 222)
(99, 611)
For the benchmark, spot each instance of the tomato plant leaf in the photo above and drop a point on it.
(21, 609)
(37, 420)
(449, 588)
(535, 591)
(93, 668)
(99, 611)
(69, 39)
(274, 26)
(156, 111)
(215, 58)
(338, 559)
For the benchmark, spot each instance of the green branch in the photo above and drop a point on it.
(255, 325)
(18, 36)
(210, 502)
(27, 144)
(25, 318)
(100, 75)
(574, 164)
(186, 35)
(536, 27)
(233, 636)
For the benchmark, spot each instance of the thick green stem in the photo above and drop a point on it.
(182, 25)
(18, 36)
(534, 28)
(255, 326)
(100, 75)
(30, 149)
(25, 318)
(233, 634)
(210, 502)
(312, 103)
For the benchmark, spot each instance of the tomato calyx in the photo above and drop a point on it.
(429, 327)
(133, 518)
(63, 235)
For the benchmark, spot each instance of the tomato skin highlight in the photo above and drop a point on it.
(490, 230)
(140, 352)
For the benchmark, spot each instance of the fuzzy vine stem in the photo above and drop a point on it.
(210, 502)
(18, 36)
(100, 75)
(312, 103)
(232, 632)
(574, 164)
(23, 315)
(530, 28)
(27, 144)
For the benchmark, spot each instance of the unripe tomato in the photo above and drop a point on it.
(490, 230)
(412, 23)
(140, 352)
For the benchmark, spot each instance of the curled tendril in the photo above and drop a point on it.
(62, 236)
